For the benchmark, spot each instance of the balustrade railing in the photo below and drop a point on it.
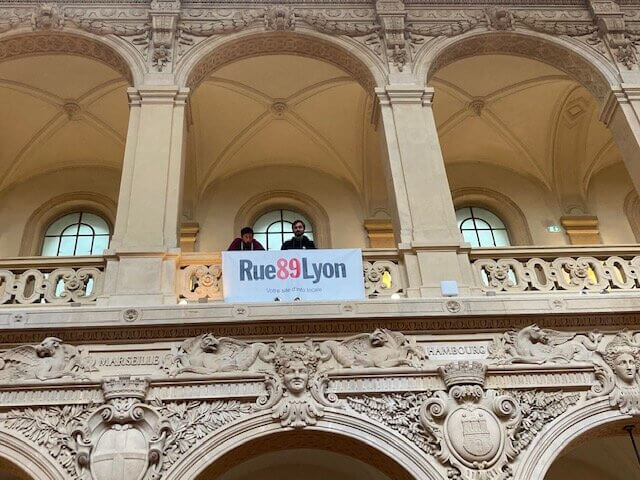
(200, 275)
(50, 280)
(544, 269)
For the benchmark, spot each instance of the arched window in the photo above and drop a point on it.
(79, 233)
(274, 227)
(481, 228)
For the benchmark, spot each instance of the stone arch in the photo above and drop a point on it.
(501, 205)
(107, 50)
(348, 55)
(405, 458)
(58, 206)
(548, 446)
(632, 212)
(587, 67)
(260, 204)
(33, 462)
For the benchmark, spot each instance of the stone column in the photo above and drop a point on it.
(145, 245)
(424, 220)
(621, 113)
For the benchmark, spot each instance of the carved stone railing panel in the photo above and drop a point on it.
(30, 281)
(200, 275)
(383, 273)
(520, 270)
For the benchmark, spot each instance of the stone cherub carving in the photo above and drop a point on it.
(535, 345)
(48, 360)
(620, 375)
(207, 354)
(381, 348)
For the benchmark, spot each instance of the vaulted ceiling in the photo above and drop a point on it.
(59, 111)
(279, 110)
(522, 115)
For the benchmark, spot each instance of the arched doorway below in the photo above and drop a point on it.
(604, 454)
(308, 455)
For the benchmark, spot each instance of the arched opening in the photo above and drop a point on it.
(311, 455)
(11, 471)
(63, 128)
(606, 453)
(516, 118)
(269, 113)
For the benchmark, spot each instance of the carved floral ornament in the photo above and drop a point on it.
(162, 32)
(455, 413)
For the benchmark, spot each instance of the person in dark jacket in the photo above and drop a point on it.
(299, 241)
(245, 241)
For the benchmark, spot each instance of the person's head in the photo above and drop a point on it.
(298, 227)
(246, 234)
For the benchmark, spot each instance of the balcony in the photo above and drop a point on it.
(51, 280)
(519, 271)
(557, 269)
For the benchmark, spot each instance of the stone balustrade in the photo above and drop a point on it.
(51, 280)
(200, 275)
(544, 269)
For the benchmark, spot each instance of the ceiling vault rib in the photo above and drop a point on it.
(321, 141)
(33, 92)
(236, 143)
(45, 133)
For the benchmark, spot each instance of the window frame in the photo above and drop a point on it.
(490, 228)
(78, 225)
(285, 235)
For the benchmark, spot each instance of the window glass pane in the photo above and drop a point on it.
(99, 224)
(470, 237)
(262, 238)
(85, 229)
(70, 231)
(50, 246)
(467, 224)
(275, 241)
(59, 225)
(83, 247)
(309, 234)
(100, 244)
(501, 237)
(279, 227)
(481, 224)
(67, 246)
(462, 214)
(486, 239)
(488, 217)
(265, 220)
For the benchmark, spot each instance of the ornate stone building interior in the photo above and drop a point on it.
(494, 147)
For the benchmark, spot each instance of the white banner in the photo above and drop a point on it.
(288, 275)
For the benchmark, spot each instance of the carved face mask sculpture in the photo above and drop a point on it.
(625, 367)
(296, 376)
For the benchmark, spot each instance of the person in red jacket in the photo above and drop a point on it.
(245, 241)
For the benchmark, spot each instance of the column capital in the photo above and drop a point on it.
(405, 94)
(158, 95)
